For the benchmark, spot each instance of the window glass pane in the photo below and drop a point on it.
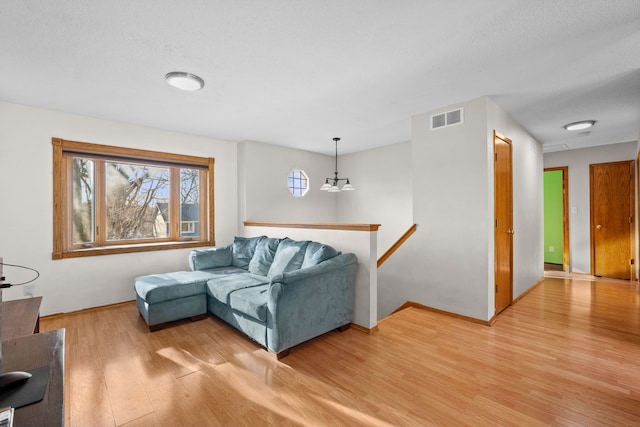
(136, 201)
(83, 201)
(189, 202)
(298, 182)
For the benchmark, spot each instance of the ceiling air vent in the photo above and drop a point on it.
(554, 148)
(449, 118)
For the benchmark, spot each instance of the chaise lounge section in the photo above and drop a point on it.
(279, 292)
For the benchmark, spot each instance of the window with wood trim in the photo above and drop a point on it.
(116, 200)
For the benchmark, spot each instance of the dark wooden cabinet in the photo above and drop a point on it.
(35, 351)
(20, 317)
(24, 349)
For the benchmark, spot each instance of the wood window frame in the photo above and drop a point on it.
(62, 247)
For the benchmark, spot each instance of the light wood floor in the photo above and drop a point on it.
(568, 353)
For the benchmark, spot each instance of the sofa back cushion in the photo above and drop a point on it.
(288, 257)
(204, 259)
(263, 256)
(243, 249)
(316, 253)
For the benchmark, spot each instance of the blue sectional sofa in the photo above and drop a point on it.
(279, 292)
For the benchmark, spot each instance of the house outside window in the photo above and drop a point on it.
(117, 200)
(188, 227)
(189, 220)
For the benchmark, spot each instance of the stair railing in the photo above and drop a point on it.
(397, 244)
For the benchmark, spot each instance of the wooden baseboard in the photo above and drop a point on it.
(527, 291)
(490, 322)
(411, 304)
(406, 305)
(84, 310)
(365, 330)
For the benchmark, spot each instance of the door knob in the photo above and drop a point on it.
(512, 232)
(598, 226)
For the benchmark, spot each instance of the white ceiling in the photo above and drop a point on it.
(299, 72)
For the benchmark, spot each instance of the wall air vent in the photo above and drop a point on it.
(449, 118)
(438, 121)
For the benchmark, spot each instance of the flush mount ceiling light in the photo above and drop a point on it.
(331, 184)
(184, 81)
(583, 124)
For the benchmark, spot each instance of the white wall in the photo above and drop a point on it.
(383, 181)
(451, 206)
(448, 263)
(263, 194)
(26, 205)
(578, 162)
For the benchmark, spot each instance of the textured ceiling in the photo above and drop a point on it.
(297, 73)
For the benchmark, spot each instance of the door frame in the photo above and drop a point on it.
(565, 214)
(632, 226)
(509, 142)
(634, 269)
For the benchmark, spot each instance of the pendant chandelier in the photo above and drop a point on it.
(331, 184)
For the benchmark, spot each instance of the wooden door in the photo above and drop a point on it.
(503, 232)
(612, 224)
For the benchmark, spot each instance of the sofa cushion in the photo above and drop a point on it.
(204, 259)
(243, 249)
(251, 301)
(225, 271)
(289, 256)
(263, 256)
(156, 288)
(316, 253)
(221, 287)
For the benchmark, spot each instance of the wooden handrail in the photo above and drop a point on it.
(397, 244)
(315, 225)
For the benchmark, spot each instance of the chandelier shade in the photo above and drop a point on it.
(331, 184)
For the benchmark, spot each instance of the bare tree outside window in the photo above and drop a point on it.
(189, 185)
(135, 196)
(83, 203)
(133, 193)
(189, 202)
